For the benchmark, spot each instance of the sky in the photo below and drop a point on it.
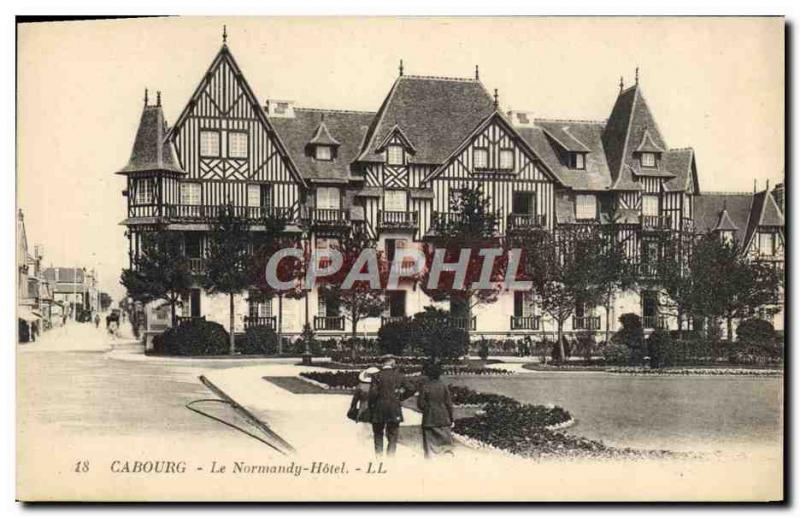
(714, 84)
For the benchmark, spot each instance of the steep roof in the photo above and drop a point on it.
(680, 163)
(589, 134)
(630, 126)
(348, 128)
(435, 113)
(322, 136)
(725, 223)
(708, 209)
(152, 151)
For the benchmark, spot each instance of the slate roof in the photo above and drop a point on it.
(589, 134)
(65, 275)
(680, 163)
(725, 223)
(435, 113)
(322, 136)
(348, 128)
(708, 208)
(152, 151)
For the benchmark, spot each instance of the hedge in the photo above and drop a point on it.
(193, 338)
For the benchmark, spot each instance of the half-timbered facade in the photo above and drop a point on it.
(396, 170)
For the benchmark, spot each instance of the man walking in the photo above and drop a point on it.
(388, 389)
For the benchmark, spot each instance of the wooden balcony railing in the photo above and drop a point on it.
(658, 321)
(463, 323)
(329, 323)
(656, 222)
(393, 319)
(260, 321)
(397, 220)
(440, 220)
(186, 319)
(197, 266)
(647, 270)
(205, 213)
(525, 322)
(586, 322)
(525, 221)
(327, 216)
(149, 210)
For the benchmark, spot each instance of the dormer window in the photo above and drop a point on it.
(395, 155)
(323, 153)
(648, 159)
(726, 236)
(577, 161)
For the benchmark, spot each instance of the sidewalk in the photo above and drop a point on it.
(76, 337)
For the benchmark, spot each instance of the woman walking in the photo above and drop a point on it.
(359, 405)
(437, 413)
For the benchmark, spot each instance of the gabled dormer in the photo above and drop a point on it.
(571, 150)
(396, 147)
(323, 146)
(648, 153)
(725, 228)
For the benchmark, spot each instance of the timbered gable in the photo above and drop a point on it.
(224, 140)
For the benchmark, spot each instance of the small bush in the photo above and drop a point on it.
(756, 342)
(661, 349)
(194, 337)
(586, 345)
(394, 337)
(259, 340)
(437, 337)
(616, 354)
(483, 349)
(632, 336)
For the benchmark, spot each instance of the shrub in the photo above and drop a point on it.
(616, 354)
(394, 337)
(632, 336)
(259, 340)
(483, 349)
(661, 349)
(756, 342)
(586, 345)
(194, 337)
(438, 339)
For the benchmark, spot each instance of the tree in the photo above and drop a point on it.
(727, 284)
(438, 338)
(105, 301)
(564, 268)
(613, 270)
(228, 267)
(361, 299)
(160, 271)
(676, 278)
(290, 269)
(470, 225)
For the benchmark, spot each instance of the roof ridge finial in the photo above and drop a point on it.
(145, 97)
(496, 99)
(401, 67)
(158, 98)
(621, 84)
(637, 76)
(224, 34)
(477, 73)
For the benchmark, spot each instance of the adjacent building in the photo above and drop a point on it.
(396, 170)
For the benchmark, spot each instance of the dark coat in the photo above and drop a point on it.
(360, 402)
(389, 387)
(434, 402)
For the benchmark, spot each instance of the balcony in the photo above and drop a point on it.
(335, 323)
(465, 323)
(197, 266)
(393, 319)
(391, 220)
(647, 271)
(525, 221)
(260, 321)
(207, 213)
(658, 321)
(586, 322)
(441, 220)
(188, 319)
(525, 322)
(327, 217)
(656, 222)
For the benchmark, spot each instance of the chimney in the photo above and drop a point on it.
(521, 118)
(279, 108)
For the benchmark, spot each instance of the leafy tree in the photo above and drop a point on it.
(727, 284)
(438, 338)
(613, 271)
(105, 301)
(361, 299)
(564, 268)
(676, 279)
(160, 271)
(228, 266)
(471, 225)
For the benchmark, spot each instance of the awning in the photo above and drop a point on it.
(27, 314)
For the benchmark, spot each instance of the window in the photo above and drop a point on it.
(395, 201)
(766, 244)
(523, 203)
(523, 304)
(258, 195)
(577, 161)
(397, 303)
(726, 236)
(237, 145)
(328, 197)
(192, 243)
(323, 152)
(650, 205)
(480, 158)
(209, 143)
(144, 192)
(190, 193)
(648, 159)
(394, 155)
(506, 159)
(585, 206)
(328, 306)
(455, 197)
(260, 309)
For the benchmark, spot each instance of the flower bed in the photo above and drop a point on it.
(466, 397)
(696, 371)
(333, 380)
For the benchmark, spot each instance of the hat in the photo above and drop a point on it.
(387, 360)
(366, 375)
